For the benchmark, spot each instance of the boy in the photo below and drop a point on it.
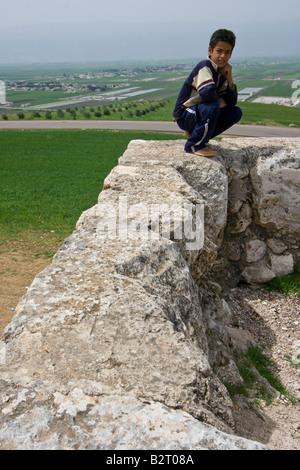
(206, 103)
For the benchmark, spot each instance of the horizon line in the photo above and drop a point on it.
(139, 60)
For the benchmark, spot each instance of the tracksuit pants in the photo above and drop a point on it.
(205, 121)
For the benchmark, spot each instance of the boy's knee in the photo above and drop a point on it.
(215, 108)
(209, 110)
(239, 113)
(233, 113)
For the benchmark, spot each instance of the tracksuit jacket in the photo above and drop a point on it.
(205, 84)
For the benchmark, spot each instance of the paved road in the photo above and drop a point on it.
(154, 126)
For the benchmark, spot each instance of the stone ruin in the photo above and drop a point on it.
(125, 340)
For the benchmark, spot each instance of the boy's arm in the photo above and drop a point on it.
(203, 88)
(227, 72)
(229, 94)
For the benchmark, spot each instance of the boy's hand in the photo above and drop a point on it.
(227, 72)
(222, 103)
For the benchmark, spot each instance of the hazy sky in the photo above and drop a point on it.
(101, 30)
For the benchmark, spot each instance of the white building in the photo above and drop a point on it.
(2, 93)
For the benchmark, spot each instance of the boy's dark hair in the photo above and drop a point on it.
(222, 35)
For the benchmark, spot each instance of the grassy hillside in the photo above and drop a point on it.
(48, 178)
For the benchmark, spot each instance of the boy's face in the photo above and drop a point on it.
(220, 54)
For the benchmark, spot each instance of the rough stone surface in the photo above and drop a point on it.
(263, 210)
(124, 340)
(255, 250)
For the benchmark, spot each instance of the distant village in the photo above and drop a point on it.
(57, 85)
(72, 84)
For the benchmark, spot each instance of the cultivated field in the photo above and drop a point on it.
(144, 91)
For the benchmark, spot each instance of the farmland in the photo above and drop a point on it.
(51, 87)
(143, 91)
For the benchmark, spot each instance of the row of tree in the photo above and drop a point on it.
(127, 110)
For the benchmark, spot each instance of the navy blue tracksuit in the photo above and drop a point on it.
(197, 108)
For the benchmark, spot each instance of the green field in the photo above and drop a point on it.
(48, 178)
(268, 73)
(275, 77)
(269, 114)
(253, 113)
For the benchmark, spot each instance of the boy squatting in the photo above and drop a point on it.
(206, 104)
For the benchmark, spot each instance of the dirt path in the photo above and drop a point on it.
(19, 264)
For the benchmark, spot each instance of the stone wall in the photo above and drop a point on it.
(262, 235)
(123, 341)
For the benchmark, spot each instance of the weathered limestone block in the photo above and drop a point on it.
(255, 250)
(241, 221)
(257, 274)
(263, 210)
(122, 340)
(107, 307)
(282, 264)
(238, 193)
(276, 185)
(86, 416)
(108, 347)
(277, 246)
(206, 176)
